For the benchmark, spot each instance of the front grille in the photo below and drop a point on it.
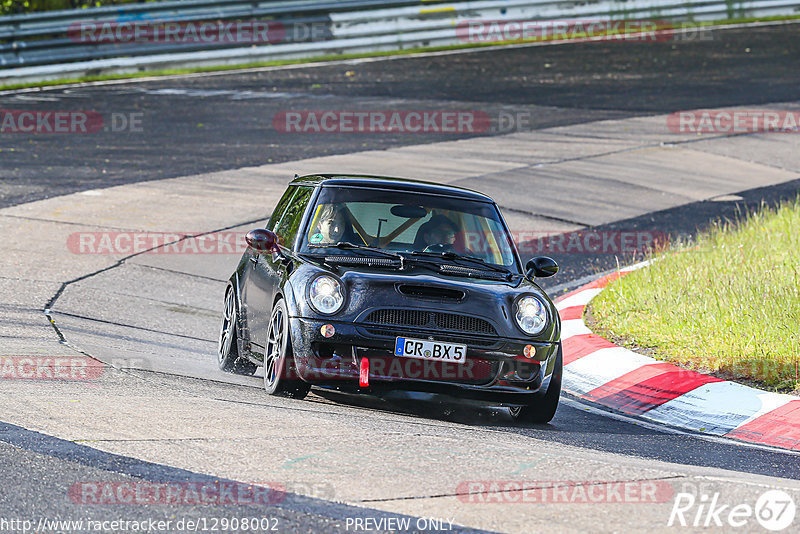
(450, 322)
(399, 317)
(460, 323)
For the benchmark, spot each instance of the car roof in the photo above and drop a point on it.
(388, 182)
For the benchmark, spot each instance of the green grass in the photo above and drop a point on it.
(338, 57)
(726, 303)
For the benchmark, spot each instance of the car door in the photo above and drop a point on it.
(252, 292)
(266, 270)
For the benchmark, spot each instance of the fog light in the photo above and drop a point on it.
(529, 351)
(327, 330)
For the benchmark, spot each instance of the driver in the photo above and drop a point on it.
(438, 234)
(332, 226)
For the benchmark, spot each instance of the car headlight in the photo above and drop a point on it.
(531, 315)
(326, 294)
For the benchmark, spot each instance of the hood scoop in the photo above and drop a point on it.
(437, 293)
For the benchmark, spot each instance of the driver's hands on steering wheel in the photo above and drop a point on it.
(440, 247)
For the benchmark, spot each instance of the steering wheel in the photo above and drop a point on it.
(439, 248)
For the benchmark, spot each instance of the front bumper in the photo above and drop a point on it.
(495, 368)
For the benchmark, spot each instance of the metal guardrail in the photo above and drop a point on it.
(43, 38)
(40, 45)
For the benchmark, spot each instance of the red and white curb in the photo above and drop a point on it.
(601, 372)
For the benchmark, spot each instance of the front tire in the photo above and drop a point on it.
(543, 409)
(278, 361)
(228, 357)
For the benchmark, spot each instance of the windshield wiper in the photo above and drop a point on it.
(346, 245)
(485, 270)
(470, 259)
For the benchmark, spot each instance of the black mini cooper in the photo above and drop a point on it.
(367, 283)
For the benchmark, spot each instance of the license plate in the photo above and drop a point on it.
(424, 349)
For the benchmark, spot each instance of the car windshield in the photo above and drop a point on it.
(408, 222)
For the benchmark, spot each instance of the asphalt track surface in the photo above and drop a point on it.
(202, 124)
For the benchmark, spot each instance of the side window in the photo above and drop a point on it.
(289, 224)
(279, 210)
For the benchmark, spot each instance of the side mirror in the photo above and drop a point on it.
(261, 240)
(541, 267)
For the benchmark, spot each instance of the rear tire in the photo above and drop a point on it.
(228, 357)
(543, 409)
(278, 361)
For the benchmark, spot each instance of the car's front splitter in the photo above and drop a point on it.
(495, 369)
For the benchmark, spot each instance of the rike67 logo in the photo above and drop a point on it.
(774, 510)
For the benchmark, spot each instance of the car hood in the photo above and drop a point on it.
(418, 288)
